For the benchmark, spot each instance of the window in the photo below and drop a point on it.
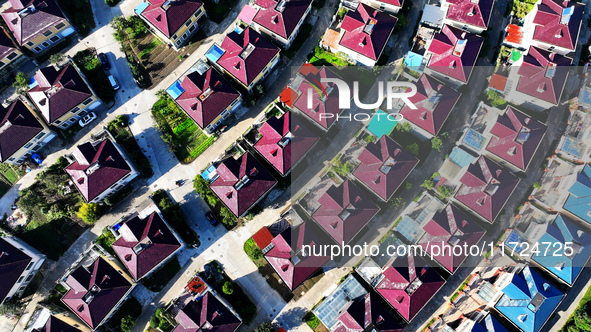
(19, 280)
(54, 39)
(60, 25)
(57, 122)
(11, 159)
(72, 120)
(47, 33)
(189, 22)
(2, 64)
(28, 145)
(197, 13)
(29, 266)
(12, 55)
(192, 28)
(30, 43)
(45, 44)
(30, 277)
(184, 35)
(64, 126)
(87, 101)
(174, 37)
(178, 42)
(37, 49)
(41, 134)
(75, 109)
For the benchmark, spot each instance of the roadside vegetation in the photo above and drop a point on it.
(90, 66)
(215, 204)
(580, 319)
(123, 136)
(129, 32)
(174, 216)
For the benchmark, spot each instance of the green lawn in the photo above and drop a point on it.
(179, 131)
(10, 173)
(79, 13)
(157, 280)
(311, 320)
(320, 57)
(91, 67)
(105, 240)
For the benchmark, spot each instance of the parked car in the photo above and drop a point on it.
(88, 118)
(211, 218)
(104, 61)
(114, 83)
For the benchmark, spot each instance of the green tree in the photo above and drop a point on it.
(436, 143)
(583, 317)
(404, 127)
(407, 185)
(21, 83)
(127, 323)
(413, 149)
(265, 327)
(252, 250)
(396, 202)
(228, 288)
(89, 212)
(56, 58)
(537, 185)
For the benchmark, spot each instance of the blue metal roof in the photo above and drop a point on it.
(175, 90)
(573, 146)
(579, 200)
(489, 324)
(214, 53)
(141, 7)
(474, 139)
(461, 157)
(413, 60)
(210, 173)
(529, 300)
(586, 96)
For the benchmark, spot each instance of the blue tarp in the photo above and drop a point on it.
(141, 7)
(210, 173)
(175, 90)
(32, 83)
(413, 60)
(214, 53)
(381, 124)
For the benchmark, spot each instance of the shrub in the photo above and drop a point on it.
(413, 148)
(127, 323)
(228, 288)
(154, 322)
(537, 185)
(89, 212)
(436, 144)
(252, 250)
(369, 138)
(494, 99)
(265, 327)
(56, 58)
(404, 127)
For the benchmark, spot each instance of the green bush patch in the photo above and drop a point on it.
(91, 67)
(79, 13)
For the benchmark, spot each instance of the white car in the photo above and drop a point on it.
(88, 118)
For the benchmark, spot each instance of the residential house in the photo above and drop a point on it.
(280, 20)
(329, 310)
(384, 165)
(388, 6)
(469, 15)
(567, 266)
(62, 96)
(450, 228)
(452, 55)
(556, 25)
(553, 186)
(244, 55)
(475, 321)
(434, 102)
(36, 25)
(43, 320)
(344, 211)
(579, 198)
(366, 314)
(19, 263)
(433, 16)
(96, 288)
(206, 313)
(173, 21)
(145, 243)
(409, 284)
(528, 300)
(241, 183)
(573, 143)
(363, 35)
(22, 133)
(205, 95)
(486, 188)
(292, 261)
(284, 141)
(10, 55)
(100, 168)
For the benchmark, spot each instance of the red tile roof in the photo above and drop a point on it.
(450, 227)
(322, 105)
(31, 23)
(543, 74)
(58, 91)
(281, 16)
(498, 82)
(144, 243)
(486, 187)
(246, 55)
(384, 166)
(206, 96)
(454, 52)
(409, 284)
(282, 256)
(516, 137)
(344, 211)
(367, 30)
(515, 34)
(367, 314)
(17, 127)
(239, 196)
(168, 16)
(95, 292)
(549, 26)
(206, 314)
(13, 262)
(284, 141)
(434, 102)
(263, 238)
(97, 168)
(476, 13)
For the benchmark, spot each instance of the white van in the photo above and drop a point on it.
(114, 83)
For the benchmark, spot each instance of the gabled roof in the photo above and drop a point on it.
(285, 140)
(144, 243)
(246, 54)
(97, 168)
(543, 74)
(241, 183)
(168, 16)
(17, 127)
(324, 103)
(344, 211)
(205, 96)
(489, 324)
(293, 267)
(516, 137)
(384, 166)
(58, 91)
(476, 13)
(452, 227)
(281, 16)
(529, 300)
(565, 267)
(486, 187)
(454, 52)
(95, 291)
(558, 23)
(434, 102)
(409, 284)
(367, 30)
(366, 314)
(6, 45)
(579, 200)
(207, 313)
(54, 324)
(13, 263)
(28, 19)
